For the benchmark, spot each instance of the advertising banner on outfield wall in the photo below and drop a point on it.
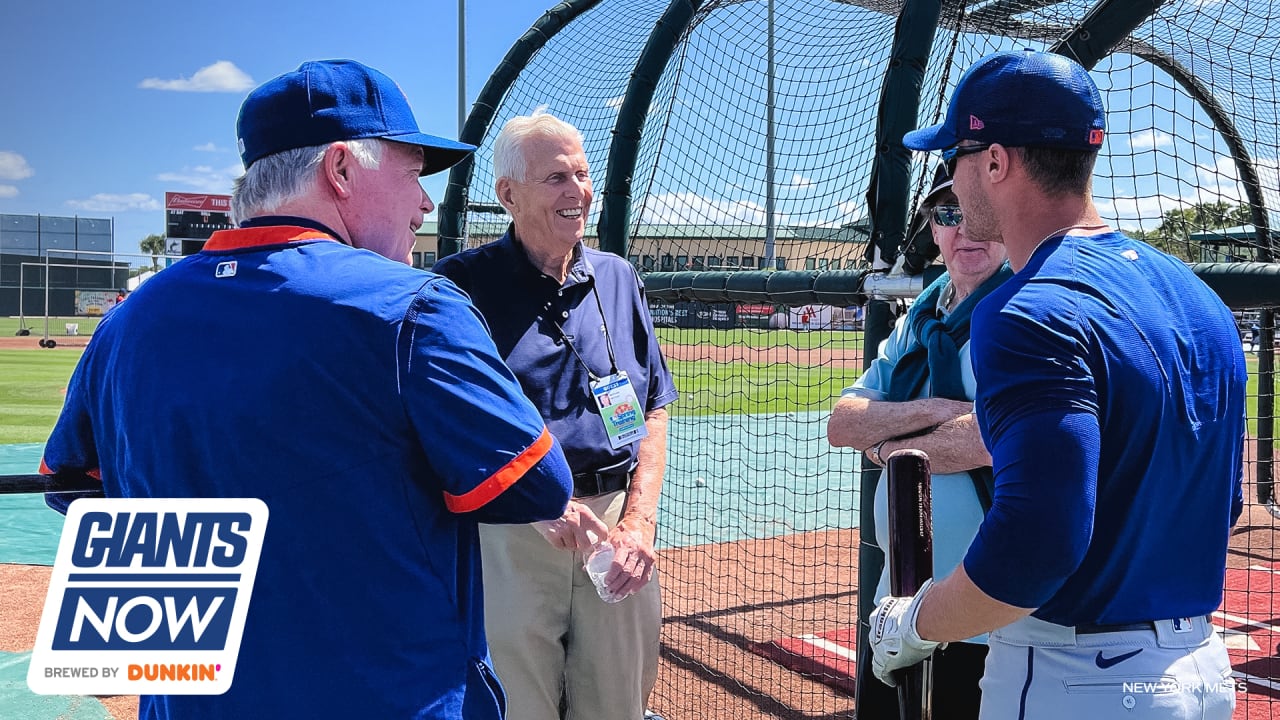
(694, 314)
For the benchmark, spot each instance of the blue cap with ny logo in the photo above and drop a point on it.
(1020, 98)
(326, 101)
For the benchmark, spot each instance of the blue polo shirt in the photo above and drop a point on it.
(1111, 393)
(523, 307)
(363, 401)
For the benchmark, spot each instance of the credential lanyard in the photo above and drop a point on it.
(608, 339)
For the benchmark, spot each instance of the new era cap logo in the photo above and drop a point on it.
(975, 123)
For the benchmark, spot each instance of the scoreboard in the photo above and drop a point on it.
(190, 219)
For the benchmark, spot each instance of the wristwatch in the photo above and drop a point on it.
(873, 452)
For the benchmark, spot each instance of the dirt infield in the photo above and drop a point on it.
(718, 599)
(778, 355)
(32, 342)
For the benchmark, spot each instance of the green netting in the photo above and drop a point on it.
(759, 518)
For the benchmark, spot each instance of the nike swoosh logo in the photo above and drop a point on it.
(1106, 662)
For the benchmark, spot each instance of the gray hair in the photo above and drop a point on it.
(274, 180)
(508, 148)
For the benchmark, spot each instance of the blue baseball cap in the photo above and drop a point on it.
(1017, 99)
(330, 100)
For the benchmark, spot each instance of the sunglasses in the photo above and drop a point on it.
(946, 215)
(953, 154)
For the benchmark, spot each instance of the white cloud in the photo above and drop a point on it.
(207, 147)
(222, 76)
(691, 208)
(108, 202)
(1150, 139)
(204, 178)
(1132, 213)
(801, 182)
(615, 104)
(8, 191)
(13, 166)
(1214, 182)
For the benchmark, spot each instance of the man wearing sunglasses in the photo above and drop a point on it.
(919, 394)
(1111, 387)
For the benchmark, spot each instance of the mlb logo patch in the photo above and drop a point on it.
(1182, 625)
(148, 597)
(225, 269)
(1096, 136)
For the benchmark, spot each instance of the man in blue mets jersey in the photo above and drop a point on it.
(298, 359)
(1111, 386)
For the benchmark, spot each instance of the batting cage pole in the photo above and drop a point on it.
(615, 201)
(887, 199)
(453, 208)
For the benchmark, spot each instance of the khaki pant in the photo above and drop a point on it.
(550, 634)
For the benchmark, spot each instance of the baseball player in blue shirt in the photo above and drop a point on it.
(1095, 571)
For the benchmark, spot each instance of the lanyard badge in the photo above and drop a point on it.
(619, 409)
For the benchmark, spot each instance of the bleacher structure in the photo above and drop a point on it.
(772, 119)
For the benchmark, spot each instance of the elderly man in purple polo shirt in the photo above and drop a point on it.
(573, 325)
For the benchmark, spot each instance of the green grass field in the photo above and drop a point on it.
(31, 391)
(57, 325)
(32, 383)
(708, 388)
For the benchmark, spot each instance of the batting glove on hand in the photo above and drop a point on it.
(895, 644)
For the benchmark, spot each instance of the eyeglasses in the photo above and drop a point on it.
(946, 215)
(952, 154)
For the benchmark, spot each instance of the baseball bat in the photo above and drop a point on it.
(911, 563)
(60, 483)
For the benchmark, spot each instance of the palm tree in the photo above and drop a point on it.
(153, 245)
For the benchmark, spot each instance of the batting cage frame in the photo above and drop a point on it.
(760, 596)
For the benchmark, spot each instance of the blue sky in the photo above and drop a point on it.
(101, 112)
(109, 105)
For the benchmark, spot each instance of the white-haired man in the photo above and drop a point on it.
(298, 359)
(573, 324)
(918, 393)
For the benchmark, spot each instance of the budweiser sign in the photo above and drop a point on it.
(199, 203)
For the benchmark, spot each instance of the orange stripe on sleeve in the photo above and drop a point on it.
(95, 473)
(506, 476)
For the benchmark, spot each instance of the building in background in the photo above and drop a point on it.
(677, 247)
(78, 254)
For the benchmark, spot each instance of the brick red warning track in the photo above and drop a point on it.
(1249, 620)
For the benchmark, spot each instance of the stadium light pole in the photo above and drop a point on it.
(462, 65)
(770, 231)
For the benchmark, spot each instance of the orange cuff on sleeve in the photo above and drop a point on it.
(95, 473)
(506, 476)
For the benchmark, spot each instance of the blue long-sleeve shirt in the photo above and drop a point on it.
(1111, 387)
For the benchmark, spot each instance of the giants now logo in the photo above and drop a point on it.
(148, 597)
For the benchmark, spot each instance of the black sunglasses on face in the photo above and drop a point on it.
(952, 154)
(946, 215)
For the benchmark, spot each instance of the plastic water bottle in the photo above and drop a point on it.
(598, 567)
